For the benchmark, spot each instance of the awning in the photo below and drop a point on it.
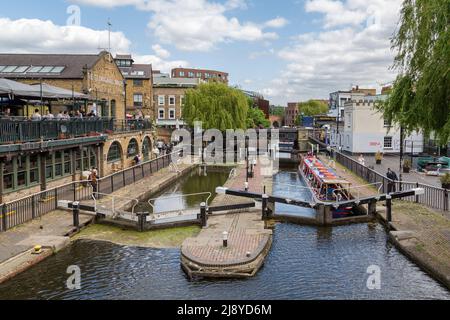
(16, 89)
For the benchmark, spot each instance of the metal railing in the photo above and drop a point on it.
(14, 131)
(26, 209)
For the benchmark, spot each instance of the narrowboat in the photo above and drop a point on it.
(325, 184)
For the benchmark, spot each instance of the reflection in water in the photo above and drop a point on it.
(289, 184)
(194, 182)
(304, 263)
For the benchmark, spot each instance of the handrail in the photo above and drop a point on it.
(180, 196)
(113, 202)
(357, 187)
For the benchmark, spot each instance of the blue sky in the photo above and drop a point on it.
(287, 50)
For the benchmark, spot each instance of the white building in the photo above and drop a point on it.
(337, 103)
(366, 131)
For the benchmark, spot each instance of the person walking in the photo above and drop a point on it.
(93, 178)
(361, 160)
(392, 176)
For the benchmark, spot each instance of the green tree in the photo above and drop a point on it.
(420, 97)
(217, 106)
(277, 110)
(312, 108)
(256, 118)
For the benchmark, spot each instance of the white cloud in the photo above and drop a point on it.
(161, 52)
(37, 36)
(278, 22)
(33, 35)
(337, 57)
(197, 25)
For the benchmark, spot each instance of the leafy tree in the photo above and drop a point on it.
(217, 106)
(256, 118)
(277, 110)
(312, 108)
(420, 97)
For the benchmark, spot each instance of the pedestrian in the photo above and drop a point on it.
(392, 176)
(6, 114)
(60, 115)
(361, 160)
(137, 160)
(93, 178)
(49, 116)
(36, 115)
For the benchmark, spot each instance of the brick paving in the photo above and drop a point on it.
(246, 231)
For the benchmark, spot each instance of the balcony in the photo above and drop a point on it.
(21, 131)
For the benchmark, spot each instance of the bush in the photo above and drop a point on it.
(445, 179)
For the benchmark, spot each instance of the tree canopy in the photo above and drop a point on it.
(420, 97)
(312, 108)
(277, 110)
(256, 118)
(217, 106)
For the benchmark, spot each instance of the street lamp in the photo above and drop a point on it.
(247, 154)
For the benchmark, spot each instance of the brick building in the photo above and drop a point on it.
(206, 75)
(139, 86)
(94, 74)
(292, 114)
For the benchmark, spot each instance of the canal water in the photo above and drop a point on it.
(304, 263)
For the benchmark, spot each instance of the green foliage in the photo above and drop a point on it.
(420, 98)
(217, 106)
(312, 108)
(277, 110)
(256, 118)
(445, 179)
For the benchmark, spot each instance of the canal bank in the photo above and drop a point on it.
(421, 233)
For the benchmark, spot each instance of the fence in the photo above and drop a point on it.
(22, 210)
(434, 197)
(28, 131)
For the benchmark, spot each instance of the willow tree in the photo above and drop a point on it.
(217, 106)
(420, 97)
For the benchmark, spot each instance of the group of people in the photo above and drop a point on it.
(62, 115)
(164, 148)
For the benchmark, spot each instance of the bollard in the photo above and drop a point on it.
(389, 208)
(203, 218)
(142, 219)
(225, 239)
(265, 202)
(76, 214)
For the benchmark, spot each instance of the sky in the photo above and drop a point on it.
(288, 50)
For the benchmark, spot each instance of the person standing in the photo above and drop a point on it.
(361, 160)
(93, 178)
(392, 176)
(36, 115)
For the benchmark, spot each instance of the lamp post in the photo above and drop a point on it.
(402, 132)
(247, 154)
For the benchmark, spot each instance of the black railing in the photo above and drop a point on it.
(23, 210)
(14, 131)
(434, 197)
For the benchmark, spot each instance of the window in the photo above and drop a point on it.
(171, 100)
(8, 175)
(35, 69)
(46, 69)
(388, 143)
(9, 69)
(199, 74)
(67, 163)
(161, 100)
(133, 148)
(182, 100)
(57, 69)
(2, 67)
(21, 171)
(182, 73)
(58, 164)
(161, 114)
(21, 69)
(34, 169)
(137, 99)
(171, 113)
(138, 82)
(115, 152)
(190, 74)
(49, 166)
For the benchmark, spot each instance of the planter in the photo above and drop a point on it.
(446, 186)
(378, 162)
(406, 169)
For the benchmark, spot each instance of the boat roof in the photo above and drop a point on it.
(323, 172)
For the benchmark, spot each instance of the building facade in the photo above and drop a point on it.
(139, 86)
(366, 131)
(338, 100)
(292, 113)
(259, 102)
(205, 75)
(96, 75)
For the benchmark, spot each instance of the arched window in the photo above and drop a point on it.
(146, 147)
(133, 148)
(113, 108)
(115, 152)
